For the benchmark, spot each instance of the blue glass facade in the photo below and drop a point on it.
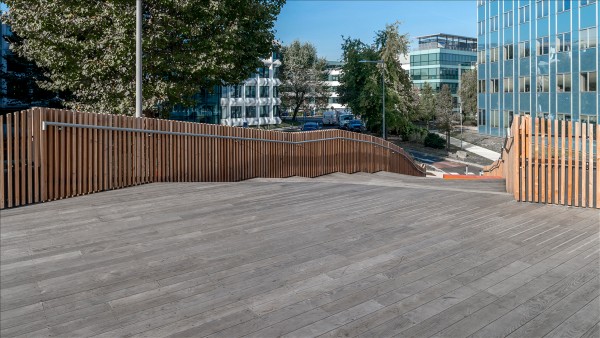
(538, 58)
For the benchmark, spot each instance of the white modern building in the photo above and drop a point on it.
(253, 102)
(334, 71)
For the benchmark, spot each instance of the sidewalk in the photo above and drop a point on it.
(477, 150)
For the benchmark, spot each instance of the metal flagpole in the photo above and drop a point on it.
(138, 59)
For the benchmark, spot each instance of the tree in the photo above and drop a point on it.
(89, 47)
(444, 113)
(360, 84)
(22, 77)
(301, 75)
(468, 95)
(427, 109)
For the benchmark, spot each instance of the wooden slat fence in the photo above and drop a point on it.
(551, 161)
(70, 160)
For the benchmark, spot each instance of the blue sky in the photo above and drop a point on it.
(324, 22)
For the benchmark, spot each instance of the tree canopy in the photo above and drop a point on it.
(444, 113)
(301, 75)
(88, 47)
(468, 95)
(361, 87)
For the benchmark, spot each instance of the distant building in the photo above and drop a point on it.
(334, 71)
(253, 102)
(537, 58)
(438, 58)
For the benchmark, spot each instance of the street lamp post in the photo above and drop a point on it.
(460, 104)
(383, 133)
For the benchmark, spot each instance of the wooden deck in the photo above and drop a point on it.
(370, 255)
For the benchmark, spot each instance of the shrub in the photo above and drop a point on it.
(434, 141)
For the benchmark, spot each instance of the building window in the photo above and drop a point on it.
(494, 118)
(563, 82)
(587, 2)
(543, 84)
(236, 112)
(508, 84)
(250, 91)
(564, 5)
(587, 38)
(588, 81)
(481, 86)
(508, 52)
(480, 2)
(237, 91)
(494, 23)
(508, 19)
(524, 84)
(564, 42)
(263, 72)
(508, 117)
(542, 45)
(524, 50)
(481, 116)
(494, 85)
(264, 91)
(542, 8)
(264, 111)
(275, 92)
(523, 14)
(481, 27)
(494, 54)
(250, 111)
(481, 57)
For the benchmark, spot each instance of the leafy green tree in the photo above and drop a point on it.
(88, 47)
(427, 103)
(301, 75)
(444, 113)
(468, 95)
(360, 83)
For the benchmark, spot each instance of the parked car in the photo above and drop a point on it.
(344, 119)
(356, 125)
(310, 126)
(329, 118)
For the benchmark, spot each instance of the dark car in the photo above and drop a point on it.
(356, 125)
(310, 126)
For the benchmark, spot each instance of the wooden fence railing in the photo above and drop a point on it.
(551, 161)
(49, 154)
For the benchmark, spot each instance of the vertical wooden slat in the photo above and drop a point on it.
(530, 139)
(43, 158)
(543, 159)
(68, 134)
(17, 157)
(563, 164)
(9, 158)
(515, 156)
(597, 166)
(583, 165)
(536, 168)
(30, 148)
(591, 167)
(95, 154)
(23, 152)
(3, 177)
(555, 133)
(576, 155)
(570, 163)
(523, 157)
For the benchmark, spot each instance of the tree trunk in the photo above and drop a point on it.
(448, 140)
(296, 109)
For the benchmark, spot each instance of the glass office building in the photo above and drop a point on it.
(437, 60)
(538, 58)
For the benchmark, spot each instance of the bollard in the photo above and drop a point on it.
(467, 170)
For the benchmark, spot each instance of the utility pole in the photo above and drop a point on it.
(138, 58)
